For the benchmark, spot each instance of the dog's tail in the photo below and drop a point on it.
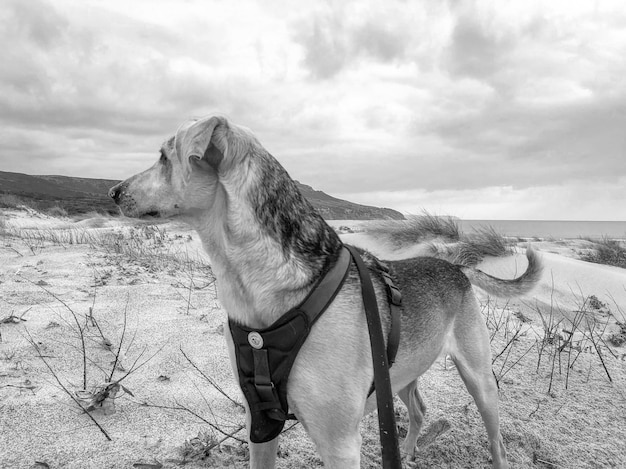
(508, 288)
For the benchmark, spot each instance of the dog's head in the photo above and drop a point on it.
(185, 177)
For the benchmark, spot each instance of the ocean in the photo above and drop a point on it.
(550, 229)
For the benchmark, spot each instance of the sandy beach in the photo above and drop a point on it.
(143, 301)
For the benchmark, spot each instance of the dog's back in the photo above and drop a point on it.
(433, 291)
(438, 297)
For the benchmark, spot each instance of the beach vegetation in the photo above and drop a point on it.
(444, 237)
(11, 201)
(56, 211)
(606, 251)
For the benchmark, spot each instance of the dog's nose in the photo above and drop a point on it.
(114, 192)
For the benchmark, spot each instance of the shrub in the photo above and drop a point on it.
(608, 252)
(486, 241)
(57, 211)
(417, 228)
(11, 201)
(444, 238)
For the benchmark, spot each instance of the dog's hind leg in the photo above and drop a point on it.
(472, 356)
(416, 409)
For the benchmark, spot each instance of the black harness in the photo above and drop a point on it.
(265, 356)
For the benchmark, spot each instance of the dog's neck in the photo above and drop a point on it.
(267, 244)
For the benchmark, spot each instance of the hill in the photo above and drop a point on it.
(81, 195)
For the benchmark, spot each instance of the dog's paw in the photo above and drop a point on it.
(410, 462)
(408, 455)
(434, 431)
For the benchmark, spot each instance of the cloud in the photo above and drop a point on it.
(37, 20)
(352, 97)
(474, 50)
(525, 145)
(574, 200)
(334, 39)
(325, 47)
(127, 76)
(381, 40)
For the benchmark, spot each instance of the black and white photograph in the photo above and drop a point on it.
(341, 234)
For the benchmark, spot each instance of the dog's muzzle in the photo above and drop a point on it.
(115, 192)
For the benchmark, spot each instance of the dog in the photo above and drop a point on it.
(268, 246)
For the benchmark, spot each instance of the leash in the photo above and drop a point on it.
(384, 397)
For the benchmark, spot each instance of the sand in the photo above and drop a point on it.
(47, 276)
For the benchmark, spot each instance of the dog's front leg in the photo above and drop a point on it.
(338, 451)
(262, 455)
(330, 410)
(335, 433)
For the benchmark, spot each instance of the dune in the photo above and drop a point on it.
(150, 290)
(566, 281)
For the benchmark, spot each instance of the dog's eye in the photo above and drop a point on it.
(163, 158)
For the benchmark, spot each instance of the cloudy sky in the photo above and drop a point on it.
(482, 110)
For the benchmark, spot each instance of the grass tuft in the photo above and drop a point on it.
(57, 212)
(444, 238)
(11, 201)
(417, 228)
(608, 252)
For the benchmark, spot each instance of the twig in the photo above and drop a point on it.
(552, 371)
(81, 330)
(134, 369)
(67, 391)
(503, 373)
(536, 410)
(195, 414)
(14, 250)
(230, 435)
(210, 380)
(30, 387)
(93, 305)
(508, 344)
(599, 352)
(119, 347)
(551, 464)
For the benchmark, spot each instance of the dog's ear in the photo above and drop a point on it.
(194, 142)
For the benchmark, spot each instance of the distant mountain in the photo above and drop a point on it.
(82, 195)
(332, 208)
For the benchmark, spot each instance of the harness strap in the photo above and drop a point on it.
(394, 297)
(265, 387)
(326, 290)
(265, 356)
(384, 397)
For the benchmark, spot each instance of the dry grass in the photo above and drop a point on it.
(607, 251)
(149, 245)
(443, 237)
(416, 228)
(11, 201)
